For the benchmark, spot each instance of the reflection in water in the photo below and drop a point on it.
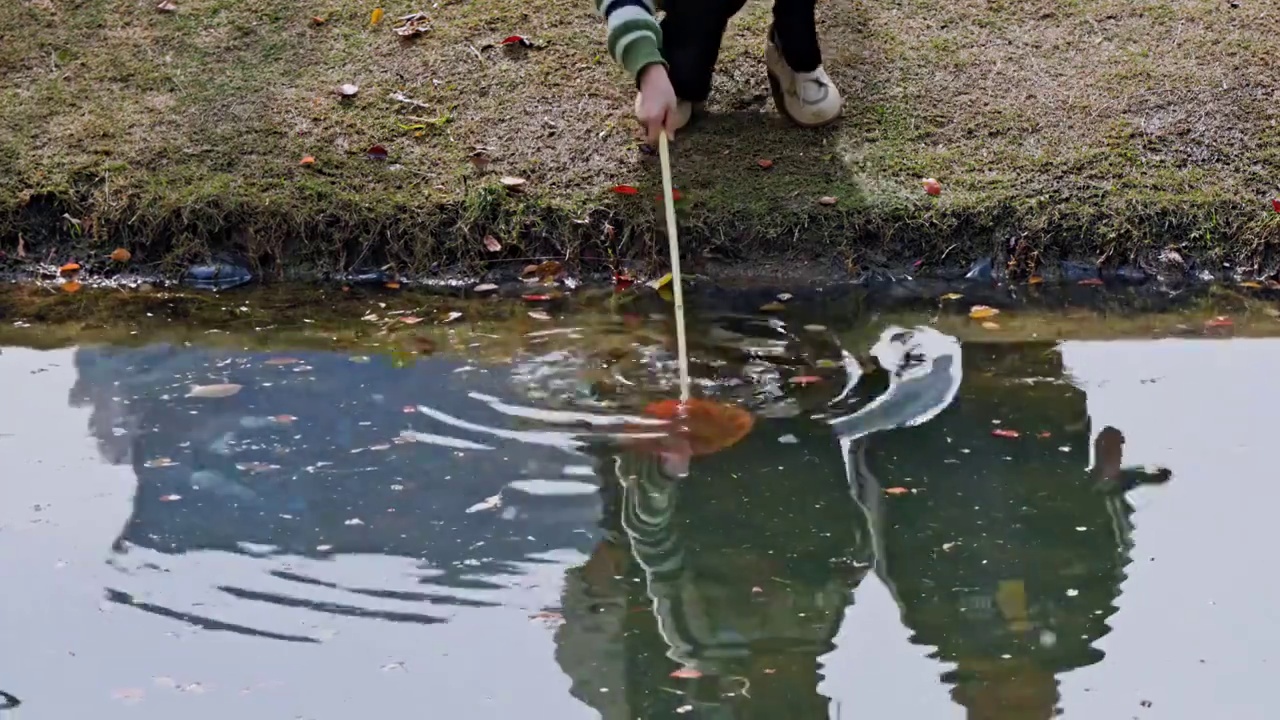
(712, 586)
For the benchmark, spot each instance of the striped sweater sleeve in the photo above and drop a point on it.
(635, 39)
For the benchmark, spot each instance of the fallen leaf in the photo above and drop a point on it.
(988, 325)
(485, 287)
(282, 361)
(520, 40)
(661, 282)
(539, 315)
(283, 419)
(69, 268)
(392, 285)
(160, 462)
(1045, 434)
(1003, 433)
(686, 673)
(413, 25)
(703, 426)
(545, 271)
(348, 90)
(170, 498)
(896, 491)
(121, 255)
(377, 152)
(71, 287)
(307, 160)
(764, 164)
(492, 244)
(1090, 281)
(624, 190)
(535, 297)
(1250, 284)
(1275, 204)
(951, 296)
(375, 17)
(219, 390)
(982, 312)
(772, 307)
(410, 319)
(451, 317)
(167, 7)
(932, 186)
(805, 379)
(317, 20)
(783, 297)
(827, 200)
(675, 196)
(1218, 322)
(1035, 280)
(512, 183)
(1272, 312)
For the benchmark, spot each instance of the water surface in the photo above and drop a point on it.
(987, 530)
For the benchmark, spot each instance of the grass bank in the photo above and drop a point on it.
(1096, 129)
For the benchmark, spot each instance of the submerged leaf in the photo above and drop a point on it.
(1004, 433)
(896, 491)
(805, 379)
(1090, 281)
(219, 390)
(282, 361)
(951, 296)
(982, 312)
(706, 426)
(686, 673)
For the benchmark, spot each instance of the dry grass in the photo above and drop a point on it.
(1071, 127)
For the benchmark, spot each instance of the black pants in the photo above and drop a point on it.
(692, 29)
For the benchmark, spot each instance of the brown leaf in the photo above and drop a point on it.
(827, 200)
(377, 152)
(480, 159)
(764, 164)
(545, 271)
(492, 244)
(121, 255)
(512, 183)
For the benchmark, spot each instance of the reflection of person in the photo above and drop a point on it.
(735, 578)
(1005, 553)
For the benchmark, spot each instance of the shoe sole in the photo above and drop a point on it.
(779, 101)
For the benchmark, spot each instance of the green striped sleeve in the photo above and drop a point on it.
(635, 39)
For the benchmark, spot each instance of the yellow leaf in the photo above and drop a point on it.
(665, 293)
(951, 296)
(982, 312)
(376, 16)
(1250, 284)
(660, 282)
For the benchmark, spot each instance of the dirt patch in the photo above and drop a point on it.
(1095, 129)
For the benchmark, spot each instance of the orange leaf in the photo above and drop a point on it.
(308, 160)
(121, 255)
(765, 164)
(896, 491)
(805, 379)
(982, 312)
(1220, 321)
(317, 20)
(393, 285)
(932, 186)
(1001, 432)
(71, 287)
(624, 190)
(686, 674)
(1035, 280)
(1090, 281)
(69, 268)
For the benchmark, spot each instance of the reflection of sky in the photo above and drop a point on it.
(1200, 566)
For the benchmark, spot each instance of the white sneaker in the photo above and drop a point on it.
(684, 112)
(808, 99)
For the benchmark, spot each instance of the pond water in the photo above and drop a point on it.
(911, 526)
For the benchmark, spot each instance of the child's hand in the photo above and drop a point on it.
(657, 109)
